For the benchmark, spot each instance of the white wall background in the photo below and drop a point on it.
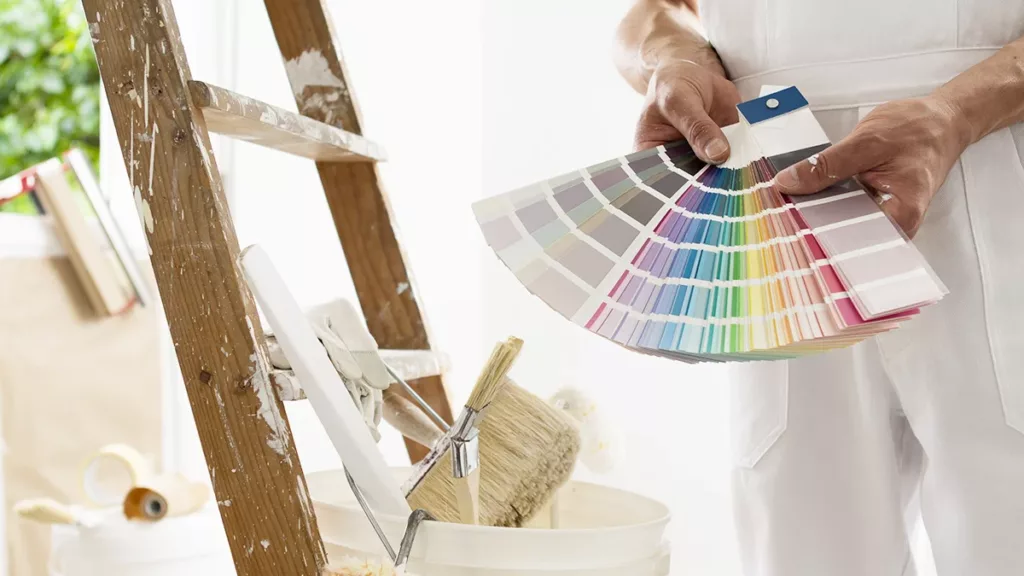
(470, 98)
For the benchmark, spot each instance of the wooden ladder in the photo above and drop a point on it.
(163, 119)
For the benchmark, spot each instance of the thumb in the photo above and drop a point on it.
(685, 110)
(836, 163)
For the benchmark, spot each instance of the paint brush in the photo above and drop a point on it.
(536, 446)
(465, 436)
(49, 511)
(453, 465)
(527, 447)
(528, 450)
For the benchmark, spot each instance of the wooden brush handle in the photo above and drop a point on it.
(467, 497)
(408, 419)
(46, 511)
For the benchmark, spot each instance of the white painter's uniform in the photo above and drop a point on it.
(835, 454)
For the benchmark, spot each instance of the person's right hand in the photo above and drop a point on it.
(685, 100)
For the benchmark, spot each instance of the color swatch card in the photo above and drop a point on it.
(669, 256)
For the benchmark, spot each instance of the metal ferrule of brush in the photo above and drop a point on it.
(468, 421)
(465, 444)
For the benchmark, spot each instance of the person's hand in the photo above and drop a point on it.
(901, 152)
(688, 101)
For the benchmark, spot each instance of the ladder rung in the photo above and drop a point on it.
(413, 364)
(409, 364)
(245, 118)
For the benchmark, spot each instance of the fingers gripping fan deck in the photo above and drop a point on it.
(667, 255)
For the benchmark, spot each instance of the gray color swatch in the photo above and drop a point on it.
(585, 211)
(642, 164)
(859, 235)
(641, 206)
(612, 193)
(584, 261)
(848, 185)
(645, 153)
(668, 184)
(613, 233)
(839, 211)
(609, 178)
(549, 233)
(558, 292)
(564, 180)
(878, 265)
(536, 215)
(500, 233)
(573, 196)
(597, 168)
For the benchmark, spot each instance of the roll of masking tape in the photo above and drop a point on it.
(112, 472)
(163, 495)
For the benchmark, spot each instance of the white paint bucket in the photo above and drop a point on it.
(193, 545)
(602, 532)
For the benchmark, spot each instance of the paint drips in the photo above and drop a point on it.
(310, 69)
(145, 216)
(307, 507)
(268, 411)
(268, 116)
(152, 157)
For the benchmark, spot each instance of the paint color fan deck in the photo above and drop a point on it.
(669, 256)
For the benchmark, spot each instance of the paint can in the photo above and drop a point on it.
(602, 531)
(193, 544)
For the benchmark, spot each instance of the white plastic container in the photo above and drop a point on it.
(603, 532)
(193, 545)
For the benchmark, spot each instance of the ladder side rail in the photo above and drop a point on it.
(252, 460)
(359, 206)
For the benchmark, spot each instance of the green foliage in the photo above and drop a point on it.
(49, 85)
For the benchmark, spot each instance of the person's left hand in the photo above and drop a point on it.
(902, 151)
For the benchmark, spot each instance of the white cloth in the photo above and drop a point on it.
(367, 397)
(838, 454)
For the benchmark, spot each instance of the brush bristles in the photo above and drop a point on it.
(528, 450)
(492, 377)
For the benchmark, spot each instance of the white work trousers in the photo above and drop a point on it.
(838, 454)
